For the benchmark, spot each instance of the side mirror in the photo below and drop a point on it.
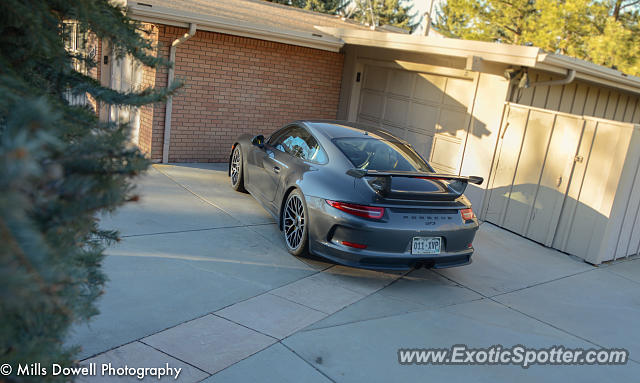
(258, 141)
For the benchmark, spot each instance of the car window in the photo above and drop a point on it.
(298, 142)
(374, 154)
(277, 137)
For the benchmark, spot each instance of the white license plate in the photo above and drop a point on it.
(425, 245)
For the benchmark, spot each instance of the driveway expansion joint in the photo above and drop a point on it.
(480, 280)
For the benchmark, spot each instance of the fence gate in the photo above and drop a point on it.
(533, 167)
(561, 179)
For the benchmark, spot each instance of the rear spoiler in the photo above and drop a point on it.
(359, 173)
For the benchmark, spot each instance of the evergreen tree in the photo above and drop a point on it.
(383, 12)
(323, 6)
(604, 32)
(60, 168)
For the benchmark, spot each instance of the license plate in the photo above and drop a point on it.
(425, 245)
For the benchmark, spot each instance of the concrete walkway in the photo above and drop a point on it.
(202, 281)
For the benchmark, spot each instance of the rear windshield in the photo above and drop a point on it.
(369, 153)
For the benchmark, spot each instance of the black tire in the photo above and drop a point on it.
(237, 170)
(295, 224)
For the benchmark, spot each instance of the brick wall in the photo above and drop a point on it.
(147, 112)
(236, 85)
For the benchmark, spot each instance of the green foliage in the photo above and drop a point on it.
(604, 32)
(294, 3)
(60, 168)
(324, 6)
(385, 12)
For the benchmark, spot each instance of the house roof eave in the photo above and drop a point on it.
(508, 54)
(179, 18)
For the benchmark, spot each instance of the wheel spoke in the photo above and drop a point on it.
(294, 222)
(235, 166)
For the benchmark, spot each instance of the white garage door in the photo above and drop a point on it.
(430, 111)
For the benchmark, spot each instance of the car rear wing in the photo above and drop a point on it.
(403, 185)
(359, 173)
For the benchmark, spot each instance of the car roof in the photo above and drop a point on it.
(340, 129)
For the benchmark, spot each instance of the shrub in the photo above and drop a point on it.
(60, 167)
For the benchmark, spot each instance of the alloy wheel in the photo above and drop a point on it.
(235, 166)
(294, 222)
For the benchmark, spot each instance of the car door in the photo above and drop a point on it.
(268, 163)
(302, 152)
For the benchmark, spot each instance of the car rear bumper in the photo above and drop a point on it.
(388, 241)
(382, 261)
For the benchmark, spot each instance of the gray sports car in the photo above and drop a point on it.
(357, 196)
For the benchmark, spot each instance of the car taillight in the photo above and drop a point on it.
(467, 214)
(354, 245)
(364, 211)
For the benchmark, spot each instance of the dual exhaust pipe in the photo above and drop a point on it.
(426, 265)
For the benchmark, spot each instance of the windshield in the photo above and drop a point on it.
(374, 154)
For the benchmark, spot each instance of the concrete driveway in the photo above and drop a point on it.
(202, 281)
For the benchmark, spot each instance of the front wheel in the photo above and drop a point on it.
(296, 224)
(237, 171)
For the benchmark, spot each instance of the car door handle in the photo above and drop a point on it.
(276, 169)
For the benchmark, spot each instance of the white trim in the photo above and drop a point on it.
(354, 98)
(166, 143)
(518, 55)
(179, 18)
(333, 39)
(501, 53)
(421, 68)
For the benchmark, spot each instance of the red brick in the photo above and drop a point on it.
(235, 85)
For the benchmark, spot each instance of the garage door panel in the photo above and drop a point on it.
(423, 118)
(591, 211)
(573, 184)
(585, 220)
(509, 150)
(368, 121)
(529, 168)
(445, 153)
(457, 93)
(567, 216)
(634, 241)
(401, 83)
(555, 178)
(601, 182)
(430, 87)
(421, 142)
(371, 104)
(394, 130)
(452, 123)
(630, 214)
(396, 111)
(376, 78)
(413, 106)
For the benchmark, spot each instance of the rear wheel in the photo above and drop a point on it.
(237, 171)
(296, 224)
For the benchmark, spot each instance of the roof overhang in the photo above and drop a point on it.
(588, 71)
(518, 55)
(179, 18)
(515, 55)
(333, 39)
